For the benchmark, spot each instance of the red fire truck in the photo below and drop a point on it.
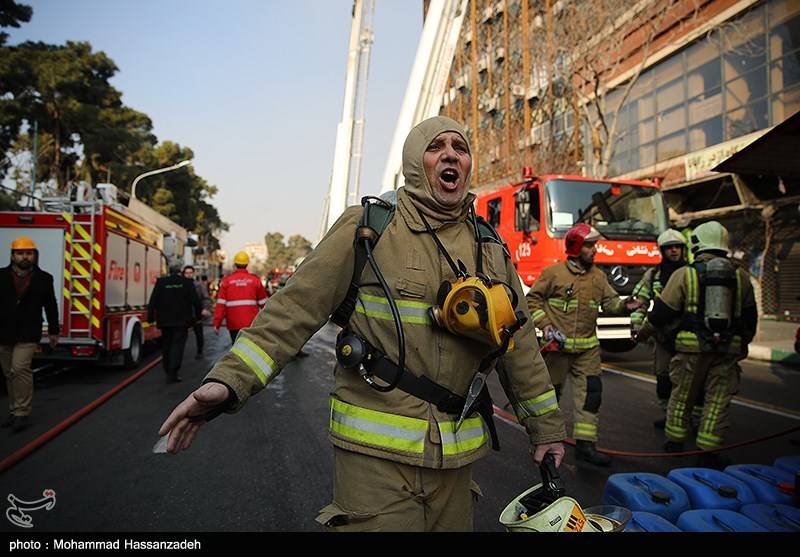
(534, 215)
(105, 259)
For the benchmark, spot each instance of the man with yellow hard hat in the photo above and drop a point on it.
(240, 297)
(25, 290)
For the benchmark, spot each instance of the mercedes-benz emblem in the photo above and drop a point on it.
(618, 275)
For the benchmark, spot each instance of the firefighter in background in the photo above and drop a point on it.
(240, 297)
(564, 303)
(672, 245)
(25, 290)
(716, 306)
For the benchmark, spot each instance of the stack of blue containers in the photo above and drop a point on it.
(742, 498)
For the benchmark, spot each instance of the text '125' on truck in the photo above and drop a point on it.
(534, 215)
(105, 258)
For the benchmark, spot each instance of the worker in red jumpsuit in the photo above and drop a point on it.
(240, 297)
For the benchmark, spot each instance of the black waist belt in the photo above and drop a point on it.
(444, 399)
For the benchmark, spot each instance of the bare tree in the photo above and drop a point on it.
(594, 47)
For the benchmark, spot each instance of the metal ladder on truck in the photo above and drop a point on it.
(81, 264)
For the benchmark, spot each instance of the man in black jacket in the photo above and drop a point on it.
(25, 289)
(174, 306)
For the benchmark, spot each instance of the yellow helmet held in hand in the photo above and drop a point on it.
(241, 258)
(23, 242)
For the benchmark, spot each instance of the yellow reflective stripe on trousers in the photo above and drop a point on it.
(379, 429)
(470, 436)
(378, 307)
(255, 358)
(537, 406)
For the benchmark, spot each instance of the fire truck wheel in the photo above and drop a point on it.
(617, 345)
(133, 354)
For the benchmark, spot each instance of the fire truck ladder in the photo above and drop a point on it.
(81, 265)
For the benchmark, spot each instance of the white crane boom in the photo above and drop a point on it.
(428, 80)
(346, 170)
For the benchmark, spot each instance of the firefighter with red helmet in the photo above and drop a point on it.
(240, 297)
(564, 303)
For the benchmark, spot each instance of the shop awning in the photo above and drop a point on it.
(776, 153)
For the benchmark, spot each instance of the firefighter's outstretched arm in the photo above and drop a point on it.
(555, 449)
(182, 424)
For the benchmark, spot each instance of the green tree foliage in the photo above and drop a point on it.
(282, 255)
(85, 133)
(12, 15)
(65, 92)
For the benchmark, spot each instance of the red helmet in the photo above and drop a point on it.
(578, 235)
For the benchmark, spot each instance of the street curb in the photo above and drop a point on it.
(773, 355)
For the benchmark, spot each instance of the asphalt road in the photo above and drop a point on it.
(268, 469)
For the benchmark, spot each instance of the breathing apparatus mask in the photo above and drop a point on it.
(479, 308)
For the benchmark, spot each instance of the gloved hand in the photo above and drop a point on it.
(632, 303)
(641, 336)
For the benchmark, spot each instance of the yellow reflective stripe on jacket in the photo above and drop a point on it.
(537, 406)
(470, 436)
(692, 299)
(562, 304)
(379, 429)
(256, 359)
(378, 307)
(581, 343)
(537, 314)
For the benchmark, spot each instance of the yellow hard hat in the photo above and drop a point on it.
(241, 258)
(23, 242)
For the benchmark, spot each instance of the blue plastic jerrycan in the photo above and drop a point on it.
(712, 489)
(775, 518)
(770, 484)
(717, 520)
(648, 492)
(642, 521)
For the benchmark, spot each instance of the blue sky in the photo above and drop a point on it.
(254, 87)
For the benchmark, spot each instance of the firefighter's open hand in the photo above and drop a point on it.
(216, 331)
(181, 430)
(53, 341)
(555, 449)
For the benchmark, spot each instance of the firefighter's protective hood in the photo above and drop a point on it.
(417, 187)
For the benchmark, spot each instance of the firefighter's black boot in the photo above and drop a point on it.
(585, 450)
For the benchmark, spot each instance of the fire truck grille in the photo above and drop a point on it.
(624, 277)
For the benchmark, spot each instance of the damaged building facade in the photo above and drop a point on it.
(677, 103)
